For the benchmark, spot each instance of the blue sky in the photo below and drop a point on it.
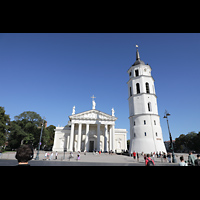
(49, 73)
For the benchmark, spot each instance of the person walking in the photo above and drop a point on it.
(134, 155)
(137, 156)
(51, 157)
(182, 163)
(45, 156)
(197, 161)
(48, 156)
(56, 155)
(78, 156)
(191, 159)
(149, 161)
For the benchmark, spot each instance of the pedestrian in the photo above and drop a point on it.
(134, 155)
(182, 163)
(191, 159)
(45, 156)
(169, 157)
(137, 156)
(78, 156)
(24, 154)
(154, 155)
(165, 157)
(197, 161)
(149, 161)
(48, 156)
(51, 156)
(56, 155)
(145, 156)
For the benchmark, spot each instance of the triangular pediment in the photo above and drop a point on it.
(93, 114)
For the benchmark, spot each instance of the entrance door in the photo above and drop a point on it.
(91, 146)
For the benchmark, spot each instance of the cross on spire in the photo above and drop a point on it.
(93, 98)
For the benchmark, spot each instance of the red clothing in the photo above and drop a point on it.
(134, 153)
(147, 160)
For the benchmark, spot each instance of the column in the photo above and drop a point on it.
(79, 137)
(86, 137)
(110, 138)
(98, 137)
(106, 138)
(113, 138)
(71, 141)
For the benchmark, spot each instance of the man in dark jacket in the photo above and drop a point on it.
(197, 161)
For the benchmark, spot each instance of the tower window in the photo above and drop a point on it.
(134, 135)
(136, 72)
(138, 88)
(147, 88)
(144, 122)
(134, 123)
(145, 134)
(156, 134)
(154, 122)
(130, 74)
(149, 106)
(130, 92)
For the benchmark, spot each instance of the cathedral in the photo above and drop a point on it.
(89, 131)
(95, 130)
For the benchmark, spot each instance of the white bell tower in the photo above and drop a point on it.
(145, 130)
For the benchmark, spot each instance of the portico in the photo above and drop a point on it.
(90, 130)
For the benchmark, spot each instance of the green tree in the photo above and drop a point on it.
(49, 136)
(188, 142)
(4, 126)
(25, 129)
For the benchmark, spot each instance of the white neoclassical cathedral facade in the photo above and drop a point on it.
(145, 130)
(90, 130)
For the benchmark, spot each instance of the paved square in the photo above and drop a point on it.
(89, 159)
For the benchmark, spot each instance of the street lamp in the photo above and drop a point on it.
(170, 136)
(37, 156)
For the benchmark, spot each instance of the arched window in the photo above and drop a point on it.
(136, 72)
(149, 106)
(130, 92)
(147, 88)
(138, 88)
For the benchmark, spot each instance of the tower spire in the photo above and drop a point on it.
(137, 53)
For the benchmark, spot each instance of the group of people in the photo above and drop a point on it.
(192, 160)
(46, 156)
(148, 160)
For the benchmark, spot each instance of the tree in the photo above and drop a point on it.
(188, 142)
(25, 129)
(4, 126)
(49, 136)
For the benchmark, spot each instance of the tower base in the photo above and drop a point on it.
(146, 146)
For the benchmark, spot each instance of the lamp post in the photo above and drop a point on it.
(170, 136)
(37, 156)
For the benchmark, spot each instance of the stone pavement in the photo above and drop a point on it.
(89, 159)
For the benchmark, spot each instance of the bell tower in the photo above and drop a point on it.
(145, 130)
